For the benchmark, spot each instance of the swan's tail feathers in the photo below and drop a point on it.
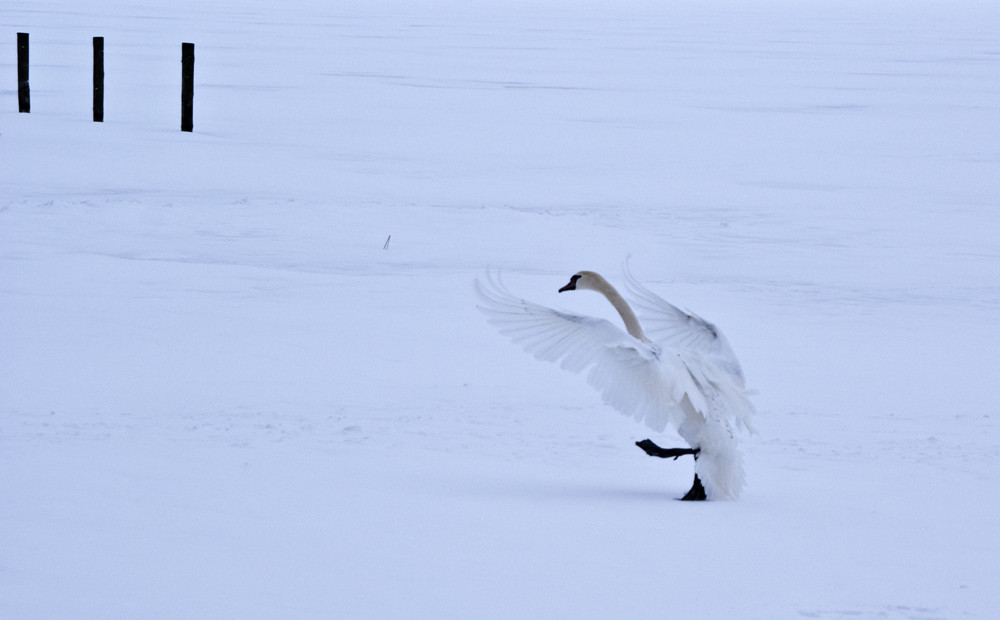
(720, 464)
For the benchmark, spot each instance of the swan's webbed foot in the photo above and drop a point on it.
(697, 492)
(652, 449)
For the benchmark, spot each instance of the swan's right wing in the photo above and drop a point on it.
(670, 326)
(627, 372)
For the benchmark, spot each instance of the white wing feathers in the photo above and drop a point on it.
(669, 326)
(631, 375)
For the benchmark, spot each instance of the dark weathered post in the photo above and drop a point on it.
(187, 86)
(98, 79)
(23, 92)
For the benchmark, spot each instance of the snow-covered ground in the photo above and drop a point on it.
(222, 396)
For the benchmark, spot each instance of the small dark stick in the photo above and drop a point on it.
(98, 79)
(386, 246)
(187, 86)
(23, 92)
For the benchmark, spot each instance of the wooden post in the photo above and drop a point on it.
(187, 86)
(23, 92)
(98, 79)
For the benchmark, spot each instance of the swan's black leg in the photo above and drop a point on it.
(697, 492)
(665, 453)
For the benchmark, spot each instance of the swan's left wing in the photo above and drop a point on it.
(627, 372)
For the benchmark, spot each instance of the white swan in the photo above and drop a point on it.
(686, 375)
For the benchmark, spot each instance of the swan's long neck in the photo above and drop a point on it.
(604, 287)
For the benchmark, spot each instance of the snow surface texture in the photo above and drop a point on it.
(221, 397)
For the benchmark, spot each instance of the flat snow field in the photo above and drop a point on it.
(223, 394)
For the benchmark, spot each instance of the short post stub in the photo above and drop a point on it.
(187, 86)
(23, 91)
(98, 79)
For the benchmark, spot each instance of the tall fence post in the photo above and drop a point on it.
(187, 86)
(98, 79)
(23, 92)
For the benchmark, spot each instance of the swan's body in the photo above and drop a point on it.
(684, 373)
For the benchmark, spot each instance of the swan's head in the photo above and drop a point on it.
(591, 281)
(586, 281)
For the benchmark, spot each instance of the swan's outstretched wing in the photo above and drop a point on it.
(631, 375)
(670, 326)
